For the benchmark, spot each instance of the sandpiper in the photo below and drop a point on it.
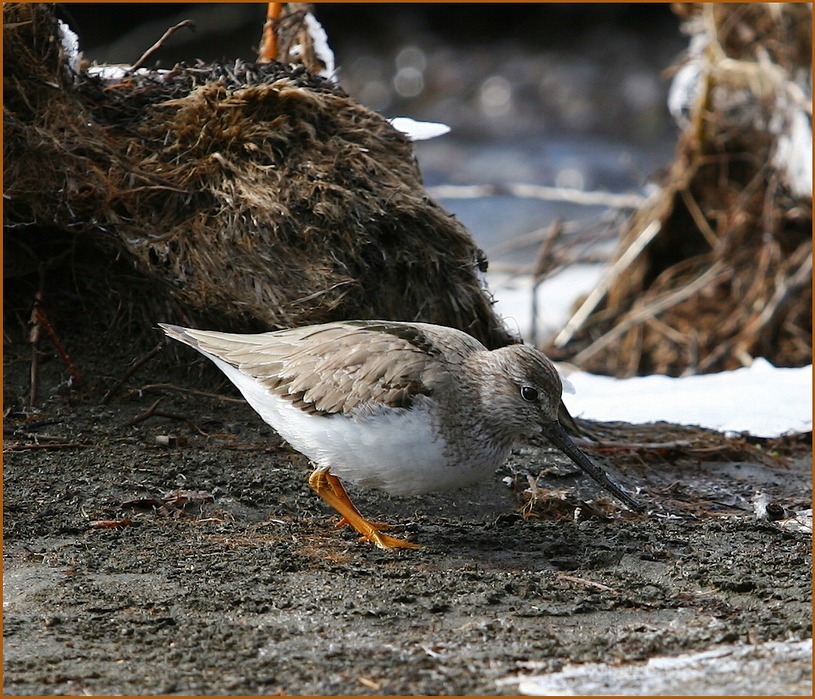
(409, 408)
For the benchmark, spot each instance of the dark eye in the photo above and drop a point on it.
(529, 394)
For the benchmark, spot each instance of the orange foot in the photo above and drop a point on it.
(329, 488)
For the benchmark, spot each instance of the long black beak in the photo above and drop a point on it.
(555, 433)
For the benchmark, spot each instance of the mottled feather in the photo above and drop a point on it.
(342, 367)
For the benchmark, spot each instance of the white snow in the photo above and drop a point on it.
(721, 670)
(684, 89)
(793, 153)
(763, 400)
(111, 73)
(322, 50)
(70, 45)
(418, 130)
(556, 297)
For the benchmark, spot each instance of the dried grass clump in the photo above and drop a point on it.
(245, 197)
(717, 268)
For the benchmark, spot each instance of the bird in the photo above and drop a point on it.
(405, 407)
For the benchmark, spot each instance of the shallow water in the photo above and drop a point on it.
(592, 163)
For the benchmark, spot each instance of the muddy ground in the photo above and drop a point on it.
(207, 566)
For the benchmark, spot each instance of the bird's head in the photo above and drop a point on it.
(528, 390)
(527, 387)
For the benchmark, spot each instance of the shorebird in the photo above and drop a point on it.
(408, 408)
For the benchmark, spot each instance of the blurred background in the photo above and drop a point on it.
(566, 95)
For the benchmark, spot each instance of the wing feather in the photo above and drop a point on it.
(342, 367)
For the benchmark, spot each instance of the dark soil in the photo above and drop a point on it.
(207, 566)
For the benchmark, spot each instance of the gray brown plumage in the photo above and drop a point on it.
(406, 407)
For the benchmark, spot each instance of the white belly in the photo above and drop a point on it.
(396, 450)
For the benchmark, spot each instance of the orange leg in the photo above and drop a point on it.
(329, 488)
(339, 491)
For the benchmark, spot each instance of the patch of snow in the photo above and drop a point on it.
(115, 73)
(761, 399)
(322, 50)
(793, 151)
(684, 90)
(70, 45)
(556, 298)
(418, 130)
(773, 667)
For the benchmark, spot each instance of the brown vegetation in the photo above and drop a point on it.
(242, 196)
(717, 267)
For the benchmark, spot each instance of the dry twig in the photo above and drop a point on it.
(138, 364)
(268, 50)
(155, 47)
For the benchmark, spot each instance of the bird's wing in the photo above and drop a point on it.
(341, 367)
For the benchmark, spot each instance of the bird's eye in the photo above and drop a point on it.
(529, 394)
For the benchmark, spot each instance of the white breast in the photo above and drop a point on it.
(399, 451)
